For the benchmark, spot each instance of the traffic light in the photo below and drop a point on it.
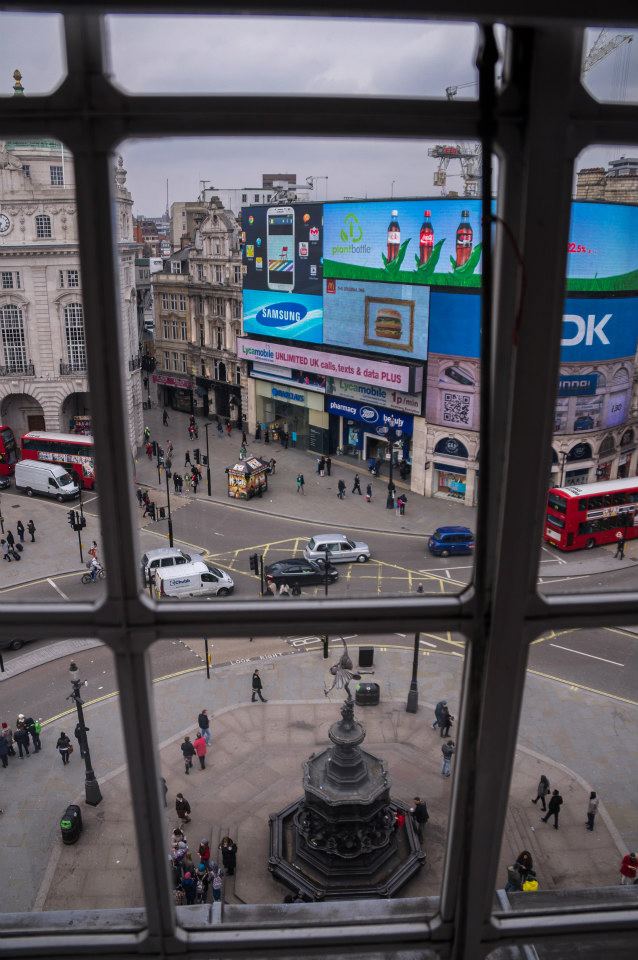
(326, 645)
(71, 518)
(82, 521)
(254, 563)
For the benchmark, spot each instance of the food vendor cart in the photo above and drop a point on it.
(248, 478)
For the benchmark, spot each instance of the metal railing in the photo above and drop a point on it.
(72, 369)
(18, 370)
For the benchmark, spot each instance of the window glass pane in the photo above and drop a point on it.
(39, 40)
(610, 68)
(325, 65)
(580, 685)
(591, 518)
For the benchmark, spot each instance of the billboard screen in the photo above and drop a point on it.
(376, 317)
(282, 258)
(453, 381)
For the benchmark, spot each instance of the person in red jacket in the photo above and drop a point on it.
(200, 749)
(629, 868)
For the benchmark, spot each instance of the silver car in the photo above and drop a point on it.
(162, 557)
(341, 549)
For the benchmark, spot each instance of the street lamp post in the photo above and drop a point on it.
(91, 786)
(413, 694)
(392, 435)
(206, 426)
(168, 475)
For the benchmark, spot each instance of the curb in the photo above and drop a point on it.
(22, 583)
(55, 651)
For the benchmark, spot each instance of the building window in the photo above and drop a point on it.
(218, 274)
(236, 309)
(176, 266)
(57, 176)
(173, 301)
(43, 226)
(256, 198)
(26, 169)
(237, 271)
(10, 280)
(167, 361)
(238, 375)
(183, 332)
(175, 328)
(165, 330)
(201, 335)
(244, 198)
(164, 301)
(75, 338)
(219, 338)
(200, 272)
(183, 361)
(182, 302)
(13, 339)
(203, 368)
(69, 278)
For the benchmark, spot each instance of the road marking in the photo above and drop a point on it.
(427, 644)
(448, 574)
(404, 635)
(582, 686)
(56, 587)
(90, 500)
(581, 653)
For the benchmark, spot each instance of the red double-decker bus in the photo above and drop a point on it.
(583, 517)
(8, 451)
(70, 450)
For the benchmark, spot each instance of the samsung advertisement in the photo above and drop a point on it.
(282, 254)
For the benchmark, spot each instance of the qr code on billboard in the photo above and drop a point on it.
(456, 408)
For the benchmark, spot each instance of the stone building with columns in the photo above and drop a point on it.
(43, 366)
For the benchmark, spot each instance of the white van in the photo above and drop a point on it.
(49, 479)
(198, 579)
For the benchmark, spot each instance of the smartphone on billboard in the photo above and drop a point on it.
(281, 248)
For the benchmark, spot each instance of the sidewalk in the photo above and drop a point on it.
(254, 768)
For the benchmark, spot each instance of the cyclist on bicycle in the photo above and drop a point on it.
(95, 568)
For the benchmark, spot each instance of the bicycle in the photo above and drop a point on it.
(87, 578)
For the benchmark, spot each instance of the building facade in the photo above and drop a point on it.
(197, 311)
(618, 183)
(43, 363)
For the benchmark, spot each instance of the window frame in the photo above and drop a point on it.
(43, 227)
(536, 146)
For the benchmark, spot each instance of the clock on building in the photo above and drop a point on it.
(5, 223)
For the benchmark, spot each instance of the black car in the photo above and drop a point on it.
(5, 482)
(299, 572)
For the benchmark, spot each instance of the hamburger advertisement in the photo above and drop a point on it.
(377, 317)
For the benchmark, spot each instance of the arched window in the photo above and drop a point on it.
(42, 226)
(452, 447)
(607, 446)
(75, 339)
(14, 345)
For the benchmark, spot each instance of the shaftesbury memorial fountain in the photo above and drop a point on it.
(339, 840)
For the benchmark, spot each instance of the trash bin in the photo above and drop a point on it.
(71, 824)
(367, 694)
(366, 656)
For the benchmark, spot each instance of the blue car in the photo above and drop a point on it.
(451, 541)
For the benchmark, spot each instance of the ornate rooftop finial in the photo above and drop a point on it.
(120, 172)
(18, 89)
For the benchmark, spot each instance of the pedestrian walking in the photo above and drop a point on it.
(369, 493)
(188, 750)
(164, 789)
(341, 489)
(438, 712)
(620, 545)
(217, 880)
(301, 484)
(229, 428)
(187, 459)
(65, 747)
(272, 463)
(10, 540)
(199, 745)
(228, 850)
(420, 816)
(266, 436)
(542, 790)
(20, 530)
(189, 887)
(244, 438)
(7, 734)
(149, 450)
(257, 688)
(31, 529)
(180, 479)
(553, 808)
(401, 502)
(286, 440)
(356, 485)
(328, 465)
(176, 482)
(448, 750)
(34, 728)
(629, 868)
(140, 496)
(194, 481)
(5, 550)
(203, 722)
(445, 721)
(165, 416)
(187, 480)
(592, 810)
(147, 434)
(293, 438)
(21, 737)
(4, 752)
(182, 808)
(321, 466)
(169, 448)
(242, 452)
(204, 851)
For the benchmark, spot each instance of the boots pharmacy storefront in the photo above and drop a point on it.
(363, 430)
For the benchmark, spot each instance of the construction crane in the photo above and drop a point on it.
(469, 154)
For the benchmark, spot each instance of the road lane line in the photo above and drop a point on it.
(581, 653)
(582, 686)
(56, 588)
(448, 574)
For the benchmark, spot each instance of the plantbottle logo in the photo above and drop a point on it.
(354, 232)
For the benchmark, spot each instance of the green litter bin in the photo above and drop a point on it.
(71, 824)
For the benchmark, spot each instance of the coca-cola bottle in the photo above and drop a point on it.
(394, 236)
(426, 238)
(464, 237)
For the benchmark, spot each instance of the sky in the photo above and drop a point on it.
(151, 54)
